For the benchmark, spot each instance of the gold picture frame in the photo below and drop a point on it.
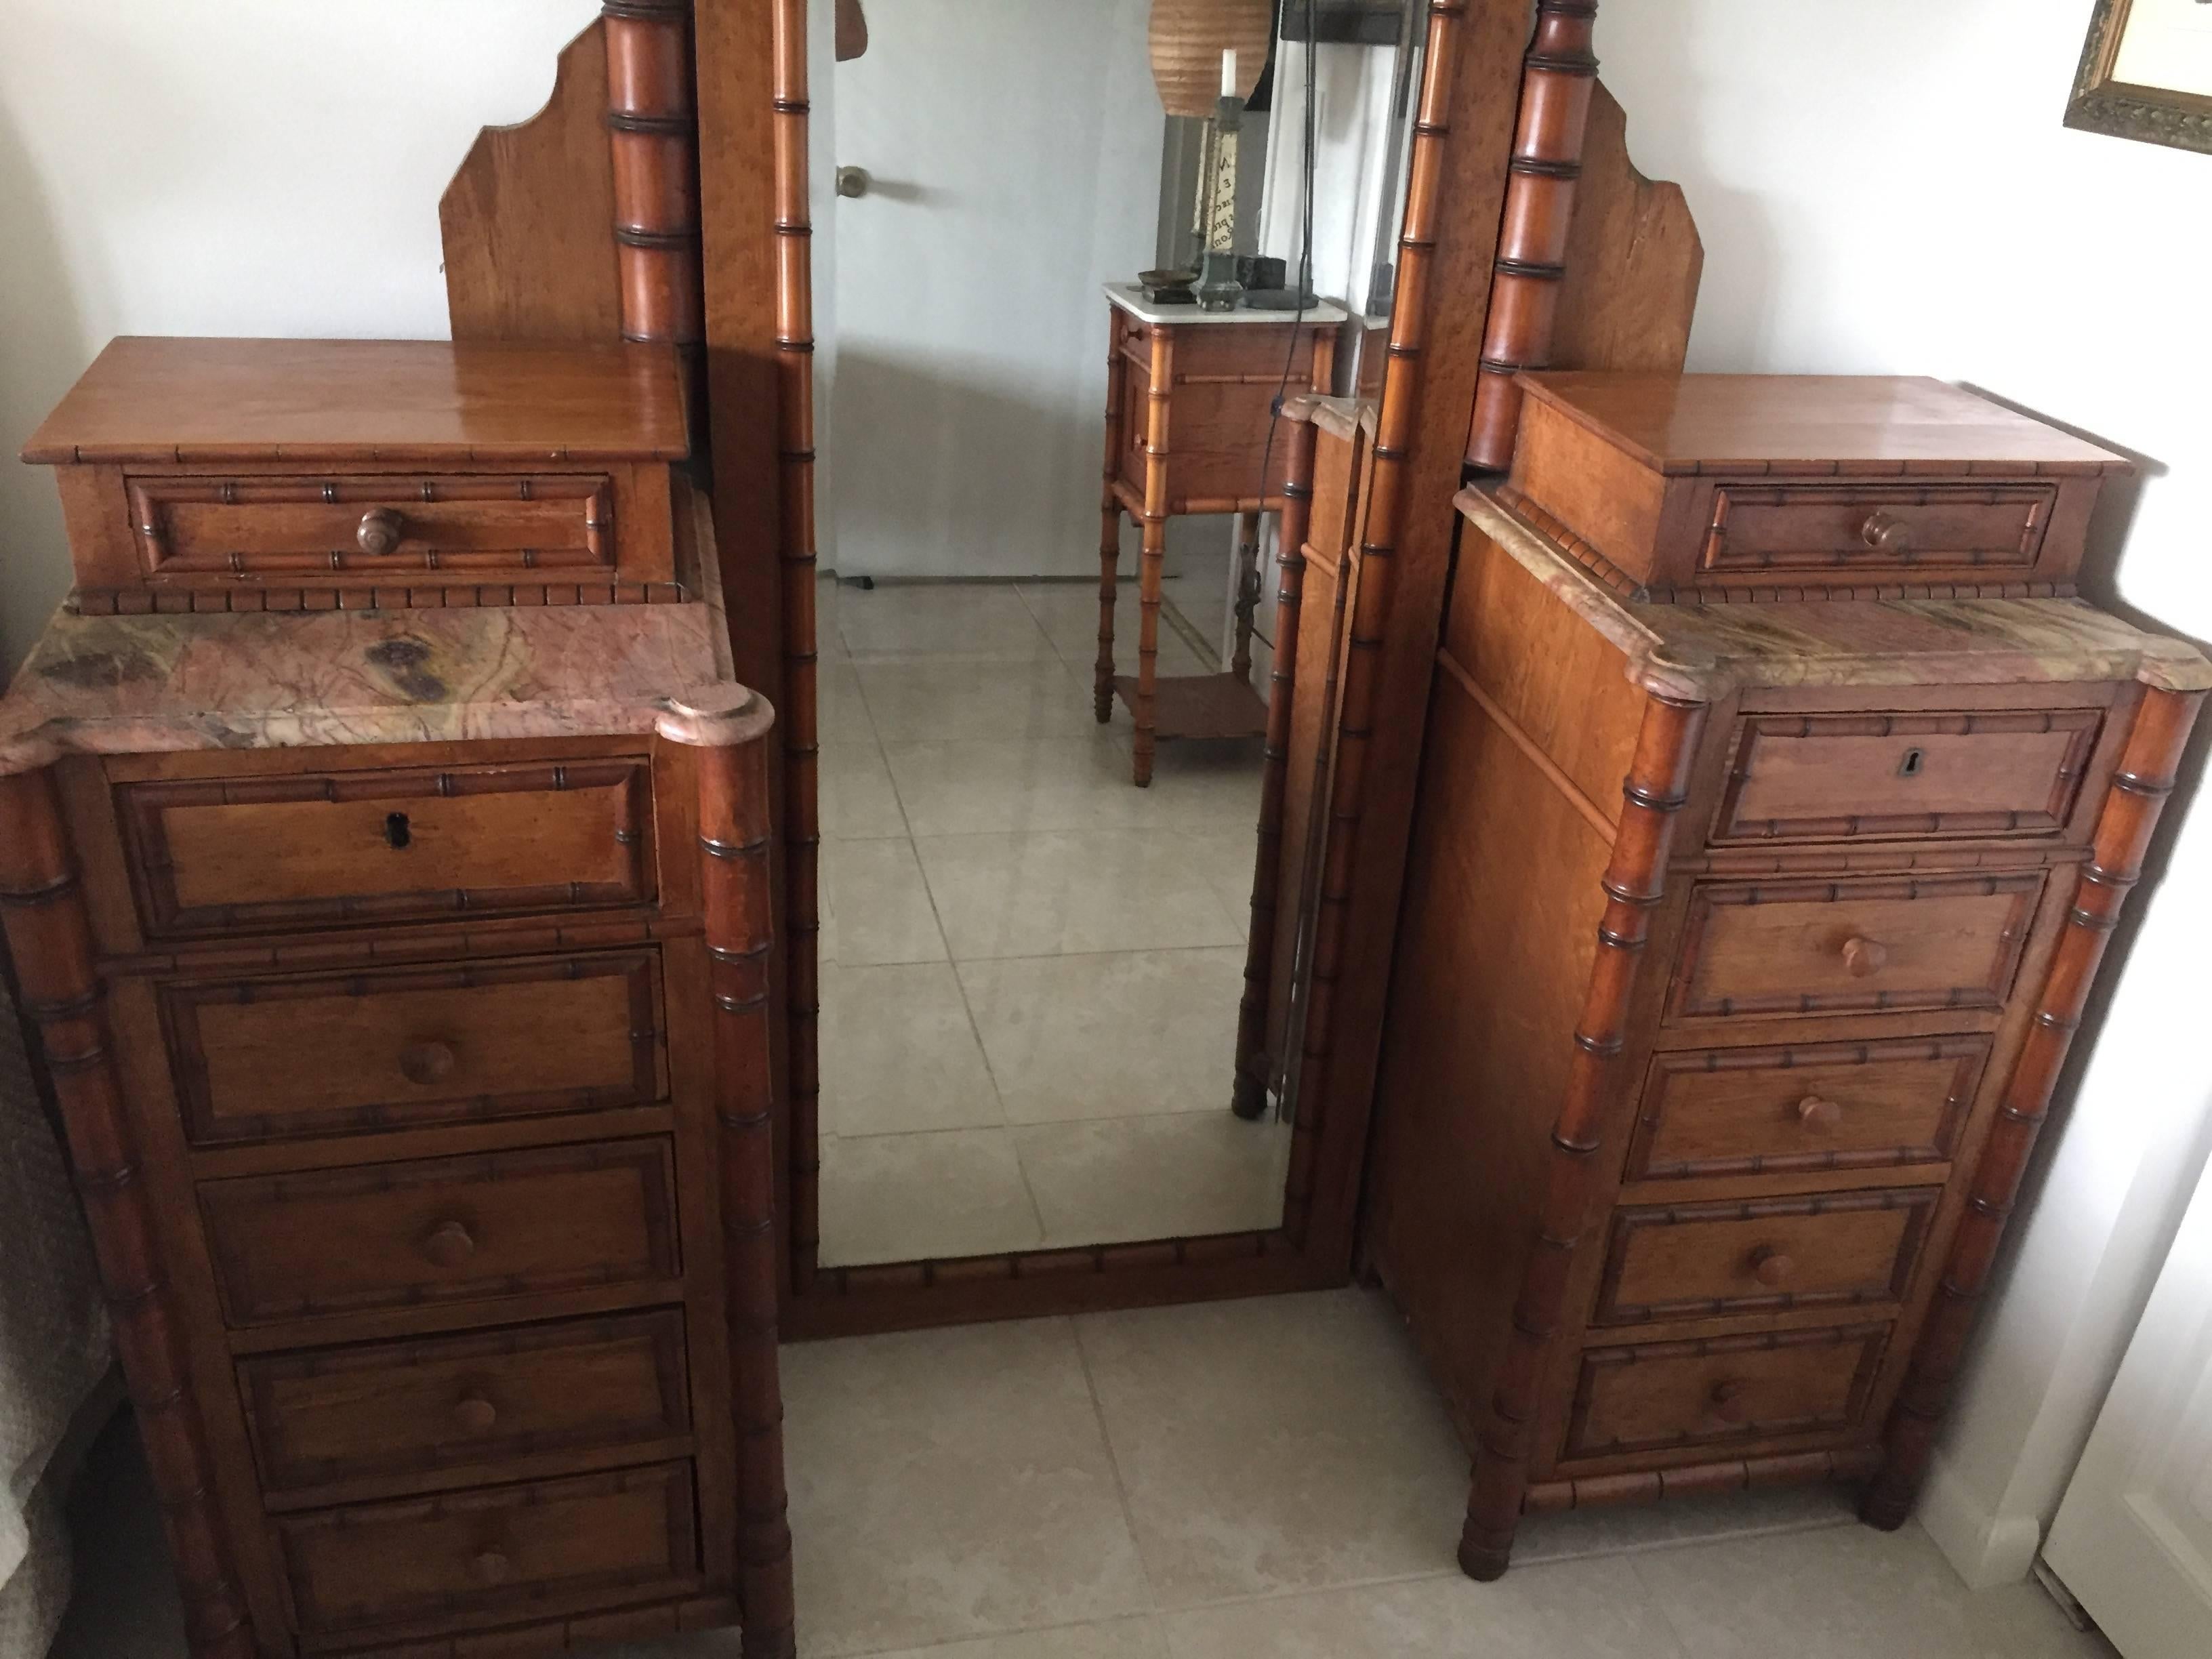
(2111, 93)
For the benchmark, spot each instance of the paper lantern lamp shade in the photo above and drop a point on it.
(1187, 39)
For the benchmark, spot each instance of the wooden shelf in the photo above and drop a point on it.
(1203, 705)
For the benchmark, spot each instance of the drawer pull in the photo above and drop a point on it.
(491, 1567)
(476, 1415)
(449, 1244)
(1772, 1266)
(381, 530)
(1818, 1114)
(1728, 1403)
(426, 1063)
(1885, 533)
(1862, 957)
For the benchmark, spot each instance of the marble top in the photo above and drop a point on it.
(1703, 652)
(1131, 298)
(113, 685)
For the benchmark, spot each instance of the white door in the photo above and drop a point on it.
(1014, 152)
(2133, 1538)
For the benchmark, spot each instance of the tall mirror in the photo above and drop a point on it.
(1048, 235)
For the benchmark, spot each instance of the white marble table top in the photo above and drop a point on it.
(1131, 298)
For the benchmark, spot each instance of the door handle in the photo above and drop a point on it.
(853, 181)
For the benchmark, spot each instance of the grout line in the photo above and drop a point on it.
(1113, 1462)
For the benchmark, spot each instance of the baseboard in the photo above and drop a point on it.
(1985, 1550)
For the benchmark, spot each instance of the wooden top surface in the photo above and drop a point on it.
(186, 400)
(1685, 423)
(1703, 652)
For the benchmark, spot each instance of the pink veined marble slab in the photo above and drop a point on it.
(1703, 652)
(117, 685)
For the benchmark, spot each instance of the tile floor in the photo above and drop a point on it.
(1262, 1479)
(1030, 968)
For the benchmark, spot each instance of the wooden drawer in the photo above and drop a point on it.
(505, 1550)
(440, 1230)
(387, 525)
(1769, 528)
(1851, 946)
(252, 853)
(1660, 1396)
(320, 1054)
(411, 1408)
(1835, 1106)
(1674, 1261)
(1806, 777)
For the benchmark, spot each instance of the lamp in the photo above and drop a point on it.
(1188, 37)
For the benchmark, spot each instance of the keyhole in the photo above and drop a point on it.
(395, 828)
(1909, 766)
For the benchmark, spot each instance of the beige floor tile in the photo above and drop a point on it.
(899, 1053)
(980, 785)
(1847, 1593)
(1069, 613)
(952, 1484)
(1055, 892)
(983, 621)
(937, 699)
(857, 800)
(829, 607)
(875, 905)
(1223, 859)
(1114, 1638)
(1129, 1035)
(1155, 1177)
(909, 1198)
(1285, 1443)
(1595, 1610)
(842, 713)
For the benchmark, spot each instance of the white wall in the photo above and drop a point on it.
(1885, 186)
(260, 167)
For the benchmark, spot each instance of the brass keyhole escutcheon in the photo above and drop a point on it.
(1911, 765)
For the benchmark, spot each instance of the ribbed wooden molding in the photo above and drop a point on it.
(652, 134)
(145, 601)
(1696, 1479)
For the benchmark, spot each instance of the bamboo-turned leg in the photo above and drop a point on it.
(50, 937)
(1634, 880)
(1150, 565)
(1109, 523)
(1247, 594)
(729, 725)
(1248, 1094)
(2139, 790)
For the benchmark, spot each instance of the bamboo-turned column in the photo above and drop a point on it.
(729, 724)
(2139, 791)
(1558, 77)
(802, 826)
(1248, 593)
(653, 133)
(1109, 523)
(1634, 880)
(50, 937)
(1248, 1095)
(1158, 393)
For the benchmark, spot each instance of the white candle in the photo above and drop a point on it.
(1229, 72)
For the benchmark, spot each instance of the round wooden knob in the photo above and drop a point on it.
(449, 1244)
(491, 1567)
(381, 530)
(1862, 957)
(1886, 534)
(476, 1415)
(1819, 1114)
(1728, 1403)
(1772, 1266)
(425, 1063)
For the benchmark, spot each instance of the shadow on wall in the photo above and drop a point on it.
(42, 350)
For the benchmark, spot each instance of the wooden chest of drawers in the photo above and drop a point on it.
(1743, 943)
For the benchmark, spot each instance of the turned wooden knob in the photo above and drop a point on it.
(1728, 1403)
(1862, 957)
(1886, 534)
(426, 1063)
(1772, 1266)
(1817, 1113)
(381, 530)
(476, 1415)
(491, 1567)
(449, 1244)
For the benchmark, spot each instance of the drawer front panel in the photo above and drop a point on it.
(407, 1408)
(1851, 946)
(1664, 1395)
(324, 1054)
(476, 1552)
(392, 526)
(244, 854)
(1835, 1106)
(1674, 1261)
(1827, 527)
(398, 1235)
(1821, 777)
